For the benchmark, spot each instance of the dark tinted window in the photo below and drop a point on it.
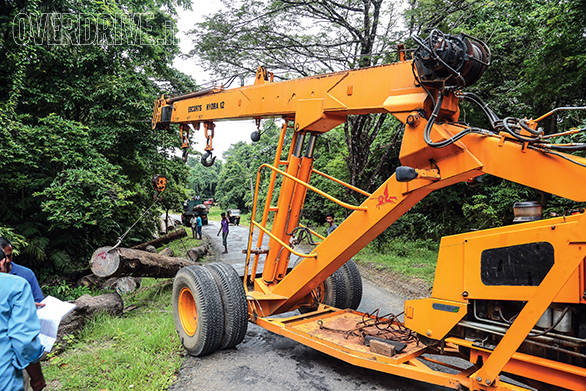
(524, 264)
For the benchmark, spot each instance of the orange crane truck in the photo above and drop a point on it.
(509, 300)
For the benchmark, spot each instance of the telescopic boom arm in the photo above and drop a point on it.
(436, 151)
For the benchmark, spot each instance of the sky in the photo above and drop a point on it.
(226, 132)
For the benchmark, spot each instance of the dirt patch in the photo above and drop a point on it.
(407, 287)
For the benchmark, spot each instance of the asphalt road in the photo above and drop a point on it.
(266, 361)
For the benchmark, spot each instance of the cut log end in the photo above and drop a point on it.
(128, 262)
(104, 262)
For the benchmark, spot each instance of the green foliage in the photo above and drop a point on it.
(181, 246)
(77, 149)
(64, 291)
(202, 180)
(236, 178)
(407, 258)
(18, 241)
(139, 350)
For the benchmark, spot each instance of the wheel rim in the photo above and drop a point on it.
(187, 311)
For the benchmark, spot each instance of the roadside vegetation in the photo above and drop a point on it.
(410, 259)
(180, 246)
(138, 350)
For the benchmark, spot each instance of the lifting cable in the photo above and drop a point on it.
(159, 183)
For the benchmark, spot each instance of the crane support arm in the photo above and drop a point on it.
(317, 103)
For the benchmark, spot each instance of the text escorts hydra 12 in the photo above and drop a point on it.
(509, 300)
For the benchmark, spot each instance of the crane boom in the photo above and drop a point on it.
(436, 151)
(317, 103)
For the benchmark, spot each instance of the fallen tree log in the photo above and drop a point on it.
(126, 284)
(196, 253)
(86, 307)
(91, 281)
(168, 252)
(119, 284)
(171, 236)
(129, 262)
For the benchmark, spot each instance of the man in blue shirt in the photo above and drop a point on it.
(21, 271)
(199, 224)
(20, 347)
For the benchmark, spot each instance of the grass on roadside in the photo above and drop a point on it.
(138, 350)
(216, 212)
(409, 258)
(180, 246)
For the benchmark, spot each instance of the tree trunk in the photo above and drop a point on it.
(196, 253)
(177, 234)
(126, 284)
(86, 307)
(136, 263)
(120, 285)
(168, 252)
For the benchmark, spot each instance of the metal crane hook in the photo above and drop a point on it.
(207, 159)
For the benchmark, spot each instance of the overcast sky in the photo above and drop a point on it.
(226, 132)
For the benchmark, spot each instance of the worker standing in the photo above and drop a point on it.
(20, 347)
(330, 221)
(224, 230)
(193, 224)
(199, 224)
(12, 268)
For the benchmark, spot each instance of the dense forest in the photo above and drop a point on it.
(539, 57)
(78, 152)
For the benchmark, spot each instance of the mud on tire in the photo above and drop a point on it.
(197, 310)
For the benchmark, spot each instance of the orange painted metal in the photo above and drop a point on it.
(313, 232)
(280, 221)
(283, 244)
(305, 329)
(349, 186)
(312, 188)
(294, 213)
(317, 104)
(308, 99)
(563, 375)
(187, 311)
(267, 207)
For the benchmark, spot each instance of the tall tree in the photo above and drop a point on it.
(296, 38)
(77, 149)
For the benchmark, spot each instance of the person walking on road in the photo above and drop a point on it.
(224, 230)
(199, 224)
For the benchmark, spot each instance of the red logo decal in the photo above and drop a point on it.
(385, 199)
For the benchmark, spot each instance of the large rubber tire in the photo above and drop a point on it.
(197, 310)
(353, 283)
(332, 292)
(234, 303)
